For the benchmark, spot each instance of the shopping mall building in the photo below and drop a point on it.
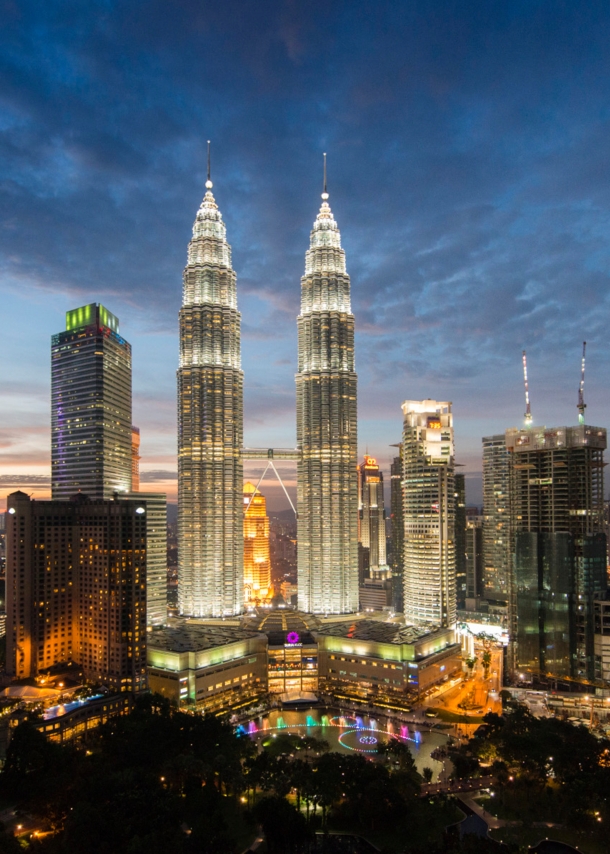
(296, 658)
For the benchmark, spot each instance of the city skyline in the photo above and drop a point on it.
(467, 174)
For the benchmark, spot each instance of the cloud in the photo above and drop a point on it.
(467, 164)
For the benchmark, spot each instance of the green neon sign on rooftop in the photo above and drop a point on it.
(93, 314)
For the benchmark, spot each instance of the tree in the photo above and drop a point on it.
(427, 773)
(284, 827)
(486, 661)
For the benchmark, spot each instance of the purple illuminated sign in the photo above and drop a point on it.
(292, 637)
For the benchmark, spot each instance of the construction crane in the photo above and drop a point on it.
(528, 410)
(581, 388)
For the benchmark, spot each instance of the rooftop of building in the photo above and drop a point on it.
(193, 637)
(378, 631)
(281, 620)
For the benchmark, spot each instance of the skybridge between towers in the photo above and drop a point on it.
(271, 454)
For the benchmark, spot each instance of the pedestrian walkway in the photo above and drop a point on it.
(469, 784)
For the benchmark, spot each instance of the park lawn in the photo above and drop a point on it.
(527, 835)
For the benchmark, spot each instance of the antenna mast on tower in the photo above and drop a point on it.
(528, 410)
(581, 388)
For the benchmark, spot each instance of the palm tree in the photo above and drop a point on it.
(486, 660)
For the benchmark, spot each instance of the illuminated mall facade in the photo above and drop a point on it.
(289, 657)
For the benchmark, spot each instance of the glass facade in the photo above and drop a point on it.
(496, 518)
(429, 513)
(293, 667)
(559, 548)
(397, 534)
(90, 406)
(460, 540)
(371, 514)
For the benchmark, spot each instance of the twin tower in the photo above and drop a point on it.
(210, 427)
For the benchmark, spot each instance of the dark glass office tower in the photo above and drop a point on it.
(460, 539)
(90, 406)
(557, 534)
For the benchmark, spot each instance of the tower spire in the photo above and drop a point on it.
(208, 183)
(325, 191)
(581, 388)
(528, 409)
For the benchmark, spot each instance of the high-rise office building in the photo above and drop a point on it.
(76, 588)
(496, 523)
(556, 487)
(135, 459)
(460, 539)
(257, 562)
(327, 485)
(371, 515)
(210, 426)
(397, 534)
(473, 553)
(156, 556)
(90, 406)
(429, 513)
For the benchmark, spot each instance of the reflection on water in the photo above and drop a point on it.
(348, 733)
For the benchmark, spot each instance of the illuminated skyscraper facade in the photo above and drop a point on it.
(496, 517)
(90, 406)
(76, 588)
(210, 426)
(327, 486)
(429, 513)
(135, 459)
(257, 563)
(371, 514)
(397, 533)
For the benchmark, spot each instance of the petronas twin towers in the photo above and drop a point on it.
(210, 427)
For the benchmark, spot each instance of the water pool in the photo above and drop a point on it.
(347, 732)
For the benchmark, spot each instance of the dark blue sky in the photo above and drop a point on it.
(468, 171)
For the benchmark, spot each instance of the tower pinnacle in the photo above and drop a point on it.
(325, 191)
(208, 183)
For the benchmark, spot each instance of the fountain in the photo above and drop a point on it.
(325, 721)
(281, 724)
(417, 737)
(404, 731)
(311, 721)
(252, 728)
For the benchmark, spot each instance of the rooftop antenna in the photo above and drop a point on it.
(528, 409)
(581, 388)
(208, 183)
(325, 191)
